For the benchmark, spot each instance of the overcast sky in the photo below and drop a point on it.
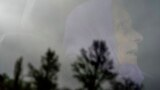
(28, 28)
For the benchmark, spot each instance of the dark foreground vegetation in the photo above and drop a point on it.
(93, 68)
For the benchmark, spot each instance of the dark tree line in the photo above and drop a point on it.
(93, 69)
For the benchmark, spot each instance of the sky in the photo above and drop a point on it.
(29, 32)
(24, 31)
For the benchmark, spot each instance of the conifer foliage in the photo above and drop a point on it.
(93, 67)
(18, 74)
(45, 78)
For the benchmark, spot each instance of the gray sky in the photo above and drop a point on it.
(29, 35)
(29, 27)
(41, 27)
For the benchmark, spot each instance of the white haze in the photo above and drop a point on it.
(29, 27)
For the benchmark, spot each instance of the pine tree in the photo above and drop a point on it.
(93, 67)
(2, 84)
(45, 78)
(18, 74)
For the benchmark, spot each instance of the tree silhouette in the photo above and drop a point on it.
(93, 67)
(128, 84)
(2, 84)
(45, 78)
(18, 74)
